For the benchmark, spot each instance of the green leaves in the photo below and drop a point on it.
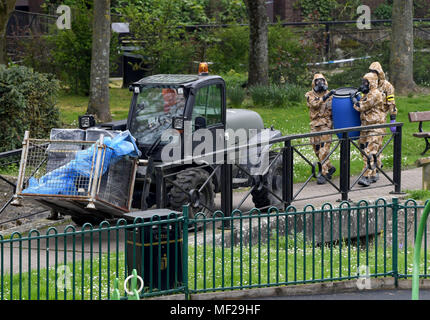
(27, 102)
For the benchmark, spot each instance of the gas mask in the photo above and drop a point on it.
(365, 88)
(374, 71)
(320, 85)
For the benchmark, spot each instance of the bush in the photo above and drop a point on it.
(421, 64)
(295, 93)
(351, 76)
(288, 56)
(421, 68)
(276, 96)
(229, 49)
(233, 78)
(383, 11)
(67, 53)
(236, 95)
(27, 102)
(72, 51)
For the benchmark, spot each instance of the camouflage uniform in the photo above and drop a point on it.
(387, 90)
(371, 112)
(321, 120)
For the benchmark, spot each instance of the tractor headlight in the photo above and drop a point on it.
(86, 121)
(178, 123)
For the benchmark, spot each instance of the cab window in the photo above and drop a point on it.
(208, 104)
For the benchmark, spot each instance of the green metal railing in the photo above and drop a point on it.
(188, 255)
(417, 251)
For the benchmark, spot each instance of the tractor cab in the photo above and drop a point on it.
(166, 101)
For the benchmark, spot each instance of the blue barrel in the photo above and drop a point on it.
(343, 113)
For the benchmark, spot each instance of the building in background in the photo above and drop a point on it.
(29, 5)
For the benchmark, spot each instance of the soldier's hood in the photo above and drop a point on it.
(373, 80)
(377, 66)
(318, 76)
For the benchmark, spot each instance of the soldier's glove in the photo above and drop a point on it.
(328, 95)
(392, 120)
(354, 99)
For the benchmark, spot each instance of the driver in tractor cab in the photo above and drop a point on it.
(169, 97)
(319, 103)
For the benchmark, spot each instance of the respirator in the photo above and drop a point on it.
(364, 86)
(320, 85)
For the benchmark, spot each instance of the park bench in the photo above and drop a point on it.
(421, 117)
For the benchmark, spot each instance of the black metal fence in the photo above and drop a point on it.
(287, 194)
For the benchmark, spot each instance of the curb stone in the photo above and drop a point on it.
(34, 225)
(347, 286)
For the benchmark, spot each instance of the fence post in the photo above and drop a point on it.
(397, 161)
(21, 173)
(185, 251)
(159, 188)
(226, 190)
(344, 166)
(287, 173)
(395, 208)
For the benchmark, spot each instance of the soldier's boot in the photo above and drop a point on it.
(321, 179)
(364, 181)
(374, 178)
(330, 172)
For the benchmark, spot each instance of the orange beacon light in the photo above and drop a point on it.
(203, 69)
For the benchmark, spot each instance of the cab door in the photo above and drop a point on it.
(207, 120)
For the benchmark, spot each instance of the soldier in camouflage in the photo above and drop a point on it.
(371, 108)
(387, 90)
(319, 103)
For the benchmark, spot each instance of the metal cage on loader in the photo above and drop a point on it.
(76, 177)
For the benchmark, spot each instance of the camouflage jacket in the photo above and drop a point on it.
(386, 89)
(319, 110)
(371, 105)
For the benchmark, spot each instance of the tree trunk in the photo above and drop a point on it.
(99, 82)
(258, 72)
(402, 47)
(6, 9)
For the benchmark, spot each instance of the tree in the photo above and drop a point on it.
(402, 46)
(258, 72)
(99, 82)
(6, 9)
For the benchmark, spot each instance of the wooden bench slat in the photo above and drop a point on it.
(419, 116)
(422, 134)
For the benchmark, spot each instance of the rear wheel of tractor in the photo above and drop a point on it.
(273, 182)
(191, 180)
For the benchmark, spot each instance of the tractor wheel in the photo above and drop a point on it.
(190, 181)
(273, 182)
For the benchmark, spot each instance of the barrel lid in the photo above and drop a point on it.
(345, 92)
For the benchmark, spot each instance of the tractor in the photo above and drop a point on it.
(192, 106)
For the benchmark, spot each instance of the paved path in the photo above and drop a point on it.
(396, 294)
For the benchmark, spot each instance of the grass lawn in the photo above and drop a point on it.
(275, 262)
(72, 106)
(293, 120)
